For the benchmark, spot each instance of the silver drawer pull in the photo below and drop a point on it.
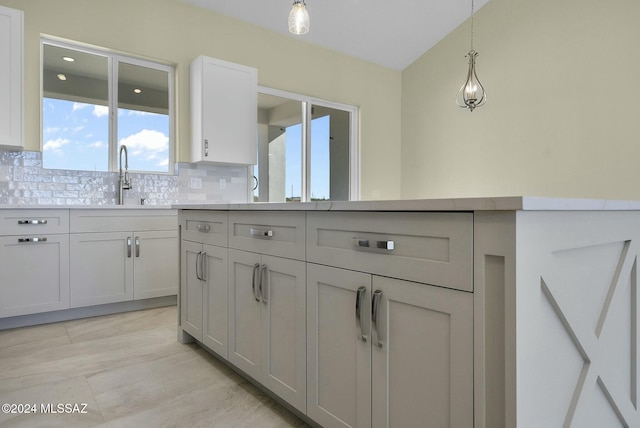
(203, 227)
(257, 232)
(32, 221)
(32, 239)
(383, 245)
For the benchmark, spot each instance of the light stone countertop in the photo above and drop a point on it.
(86, 207)
(509, 203)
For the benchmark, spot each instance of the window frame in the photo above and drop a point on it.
(307, 103)
(114, 58)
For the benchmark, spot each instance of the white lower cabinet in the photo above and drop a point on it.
(267, 328)
(203, 298)
(403, 358)
(113, 267)
(35, 274)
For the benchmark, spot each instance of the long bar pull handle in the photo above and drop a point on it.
(257, 232)
(359, 299)
(137, 246)
(383, 245)
(198, 266)
(256, 268)
(375, 309)
(32, 221)
(265, 283)
(129, 247)
(23, 240)
(204, 266)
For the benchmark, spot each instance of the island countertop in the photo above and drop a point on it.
(506, 203)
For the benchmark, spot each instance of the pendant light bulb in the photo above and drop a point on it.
(472, 93)
(299, 18)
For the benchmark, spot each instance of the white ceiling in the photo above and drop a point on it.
(391, 33)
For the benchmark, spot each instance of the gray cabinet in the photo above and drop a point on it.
(34, 261)
(117, 257)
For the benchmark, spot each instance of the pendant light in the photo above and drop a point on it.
(299, 18)
(472, 93)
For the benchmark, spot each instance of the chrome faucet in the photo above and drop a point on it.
(124, 183)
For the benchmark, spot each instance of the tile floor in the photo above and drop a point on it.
(130, 371)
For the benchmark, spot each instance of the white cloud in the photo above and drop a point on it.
(51, 130)
(97, 145)
(163, 162)
(100, 111)
(147, 143)
(55, 145)
(141, 113)
(79, 106)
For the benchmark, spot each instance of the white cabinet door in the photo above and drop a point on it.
(223, 112)
(214, 299)
(339, 348)
(101, 268)
(245, 313)
(155, 264)
(35, 275)
(422, 372)
(191, 305)
(283, 295)
(11, 82)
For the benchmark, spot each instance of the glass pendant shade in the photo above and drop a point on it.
(472, 93)
(299, 18)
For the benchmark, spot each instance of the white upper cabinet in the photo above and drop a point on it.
(224, 110)
(11, 86)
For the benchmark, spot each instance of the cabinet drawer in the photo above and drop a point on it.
(268, 232)
(33, 222)
(431, 248)
(207, 227)
(106, 220)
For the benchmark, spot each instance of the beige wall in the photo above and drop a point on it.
(562, 111)
(173, 31)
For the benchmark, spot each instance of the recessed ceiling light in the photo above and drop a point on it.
(137, 90)
(62, 76)
(68, 58)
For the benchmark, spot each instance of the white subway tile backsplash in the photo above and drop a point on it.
(24, 182)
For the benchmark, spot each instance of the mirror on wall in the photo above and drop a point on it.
(81, 86)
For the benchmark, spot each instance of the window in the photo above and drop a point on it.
(81, 86)
(307, 149)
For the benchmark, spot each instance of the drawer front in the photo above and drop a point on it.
(275, 233)
(33, 222)
(207, 227)
(96, 221)
(431, 248)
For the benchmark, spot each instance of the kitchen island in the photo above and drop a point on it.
(483, 312)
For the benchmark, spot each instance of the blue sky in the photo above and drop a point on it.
(76, 137)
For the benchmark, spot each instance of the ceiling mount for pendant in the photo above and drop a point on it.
(299, 18)
(471, 93)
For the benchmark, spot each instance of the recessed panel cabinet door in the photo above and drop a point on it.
(283, 295)
(245, 313)
(215, 299)
(422, 356)
(35, 275)
(339, 347)
(191, 306)
(156, 264)
(101, 268)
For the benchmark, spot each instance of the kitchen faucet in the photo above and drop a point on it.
(124, 183)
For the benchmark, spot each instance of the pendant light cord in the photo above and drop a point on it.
(472, 24)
